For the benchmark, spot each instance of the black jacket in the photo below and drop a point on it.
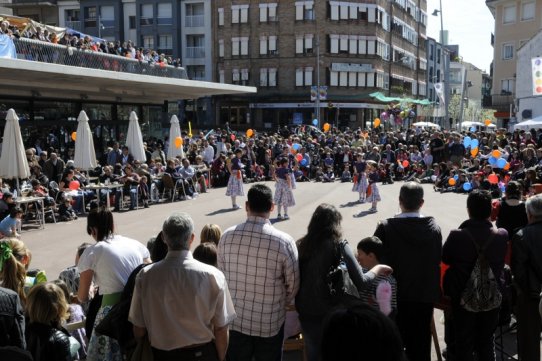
(47, 343)
(527, 259)
(11, 319)
(412, 247)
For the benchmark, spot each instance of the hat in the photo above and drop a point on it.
(7, 195)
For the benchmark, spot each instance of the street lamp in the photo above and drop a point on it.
(100, 26)
(317, 102)
(446, 74)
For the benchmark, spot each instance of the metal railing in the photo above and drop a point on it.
(195, 52)
(498, 100)
(75, 25)
(35, 50)
(194, 20)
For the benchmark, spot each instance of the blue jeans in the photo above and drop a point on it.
(133, 198)
(247, 348)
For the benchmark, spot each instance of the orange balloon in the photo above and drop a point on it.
(487, 122)
(493, 178)
(250, 133)
(451, 182)
(293, 151)
(507, 166)
(178, 142)
(74, 136)
(496, 153)
(474, 151)
(327, 127)
(377, 122)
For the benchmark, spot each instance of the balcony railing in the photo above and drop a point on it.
(498, 100)
(75, 25)
(35, 50)
(194, 20)
(195, 52)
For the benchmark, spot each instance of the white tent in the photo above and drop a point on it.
(174, 132)
(426, 125)
(13, 163)
(85, 154)
(535, 123)
(468, 125)
(134, 139)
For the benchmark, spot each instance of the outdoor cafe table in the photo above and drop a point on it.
(40, 209)
(98, 187)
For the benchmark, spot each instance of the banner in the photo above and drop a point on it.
(7, 47)
(314, 93)
(439, 90)
(537, 76)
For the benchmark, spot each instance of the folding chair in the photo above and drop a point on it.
(169, 185)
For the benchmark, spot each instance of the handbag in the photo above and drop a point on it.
(341, 287)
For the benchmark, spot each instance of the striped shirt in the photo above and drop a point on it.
(261, 267)
(368, 293)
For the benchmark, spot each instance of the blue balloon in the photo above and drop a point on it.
(296, 146)
(315, 122)
(472, 129)
(467, 186)
(467, 142)
(474, 143)
(492, 160)
(501, 163)
(456, 177)
(303, 162)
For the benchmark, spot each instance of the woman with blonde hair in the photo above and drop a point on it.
(14, 260)
(210, 233)
(46, 308)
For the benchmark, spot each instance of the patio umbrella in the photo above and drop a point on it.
(134, 139)
(85, 154)
(426, 124)
(174, 132)
(13, 163)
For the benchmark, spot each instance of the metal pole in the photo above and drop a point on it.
(100, 26)
(441, 25)
(317, 103)
(462, 103)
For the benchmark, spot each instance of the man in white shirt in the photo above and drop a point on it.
(208, 152)
(182, 304)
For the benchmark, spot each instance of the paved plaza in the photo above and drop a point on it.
(54, 248)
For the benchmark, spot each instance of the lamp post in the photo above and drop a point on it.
(317, 102)
(444, 63)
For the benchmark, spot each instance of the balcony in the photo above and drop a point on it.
(28, 3)
(192, 21)
(193, 52)
(146, 21)
(74, 24)
(35, 50)
(502, 102)
(164, 21)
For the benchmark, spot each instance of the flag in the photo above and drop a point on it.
(537, 76)
(439, 90)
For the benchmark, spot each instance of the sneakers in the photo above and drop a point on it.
(236, 206)
(286, 216)
(279, 216)
(361, 201)
(372, 210)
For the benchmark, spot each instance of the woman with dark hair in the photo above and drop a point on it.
(320, 250)
(110, 262)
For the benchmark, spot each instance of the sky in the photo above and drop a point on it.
(469, 24)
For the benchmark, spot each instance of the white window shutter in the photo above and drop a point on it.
(244, 15)
(263, 45)
(235, 15)
(263, 13)
(235, 46)
(344, 11)
(272, 43)
(272, 77)
(343, 78)
(244, 46)
(263, 77)
(352, 79)
(372, 15)
(371, 47)
(334, 12)
(361, 79)
(221, 48)
(299, 77)
(333, 78)
(353, 46)
(334, 44)
(353, 11)
(221, 16)
(299, 45)
(244, 74)
(370, 80)
(299, 11)
(272, 12)
(308, 76)
(235, 74)
(362, 46)
(221, 76)
(308, 41)
(343, 45)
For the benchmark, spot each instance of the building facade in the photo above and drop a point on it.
(516, 21)
(529, 105)
(349, 49)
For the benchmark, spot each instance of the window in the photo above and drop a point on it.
(71, 15)
(107, 16)
(221, 77)
(221, 17)
(508, 86)
(422, 89)
(507, 51)
(239, 14)
(239, 46)
(303, 76)
(165, 42)
(165, 14)
(240, 76)
(221, 48)
(148, 41)
(304, 10)
(195, 46)
(147, 15)
(528, 10)
(196, 72)
(132, 22)
(423, 64)
(268, 77)
(90, 17)
(303, 44)
(194, 15)
(268, 45)
(509, 14)
(268, 12)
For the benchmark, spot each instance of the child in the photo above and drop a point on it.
(65, 210)
(210, 233)
(206, 253)
(374, 198)
(360, 185)
(284, 197)
(235, 182)
(76, 314)
(9, 225)
(346, 176)
(329, 176)
(368, 256)
(319, 175)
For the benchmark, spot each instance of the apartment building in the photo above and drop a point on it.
(528, 91)
(516, 21)
(289, 48)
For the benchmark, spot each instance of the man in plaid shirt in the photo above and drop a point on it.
(261, 266)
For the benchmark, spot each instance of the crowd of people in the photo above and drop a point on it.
(233, 291)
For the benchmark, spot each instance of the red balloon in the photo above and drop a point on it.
(232, 137)
(493, 179)
(299, 157)
(74, 185)
(405, 163)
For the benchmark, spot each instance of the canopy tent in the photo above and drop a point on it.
(25, 24)
(13, 163)
(535, 123)
(468, 125)
(382, 98)
(81, 35)
(85, 154)
(134, 139)
(426, 125)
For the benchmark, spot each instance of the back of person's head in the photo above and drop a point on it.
(371, 245)
(513, 190)
(411, 196)
(360, 332)
(210, 233)
(64, 287)
(260, 199)
(82, 247)
(47, 304)
(178, 230)
(534, 207)
(15, 211)
(207, 253)
(13, 259)
(157, 247)
(100, 223)
(324, 228)
(479, 204)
